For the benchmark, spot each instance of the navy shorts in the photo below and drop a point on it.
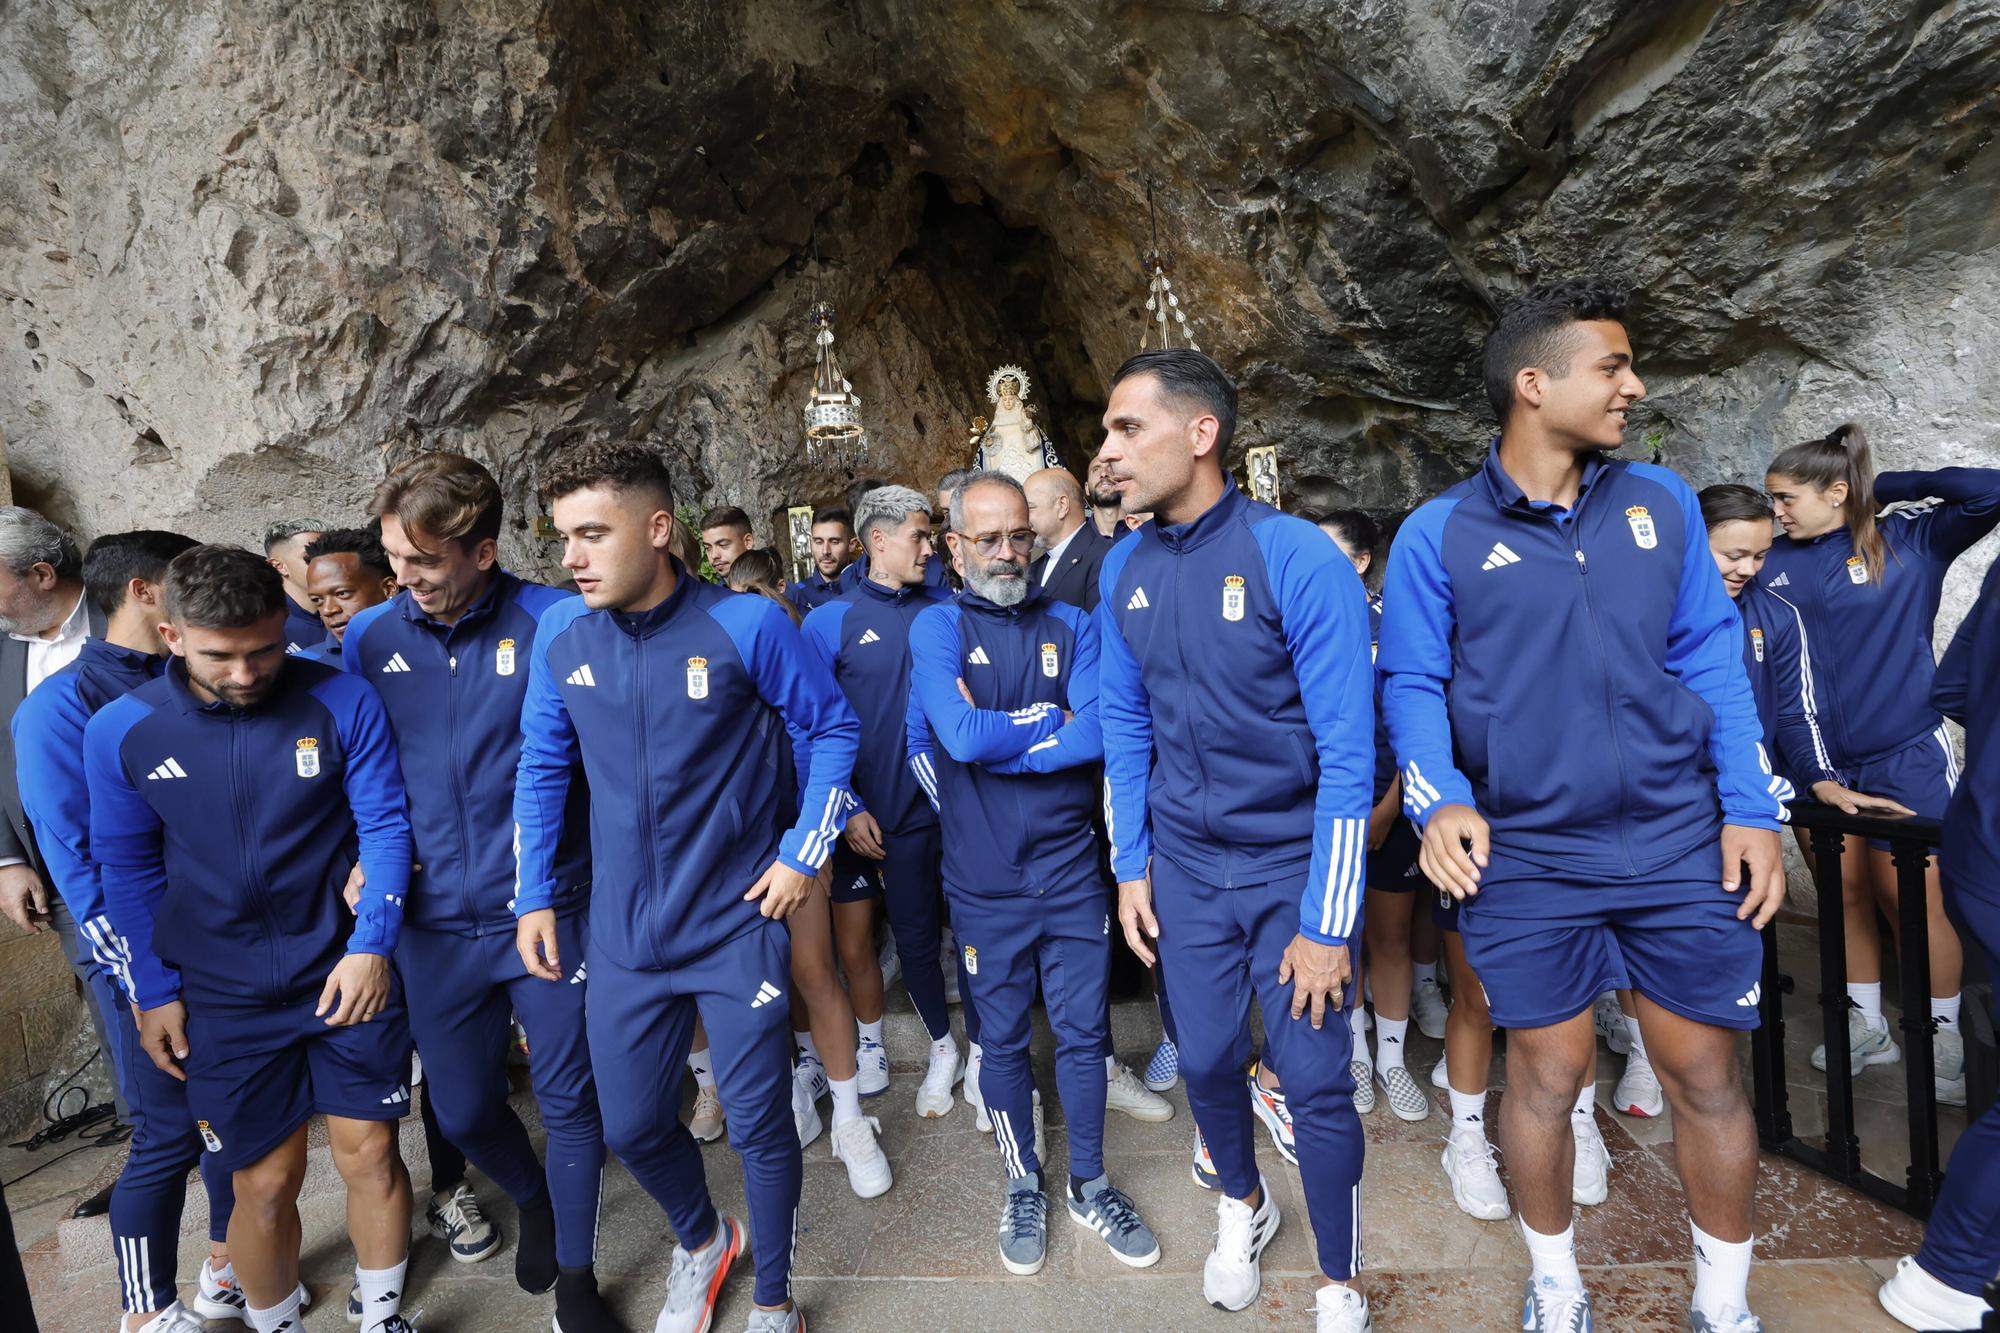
(856, 879)
(255, 1073)
(1392, 867)
(1922, 775)
(1546, 943)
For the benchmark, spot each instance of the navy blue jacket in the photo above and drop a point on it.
(224, 837)
(327, 650)
(303, 627)
(1238, 707)
(1873, 640)
(856, 573)
(48, 763)
(1777, 656)
(863, 639)
(454, 696)
(813, 591)
(1385, 754)
(1575, 675)
(1968, 692)
(677, 715)
(1016, 783)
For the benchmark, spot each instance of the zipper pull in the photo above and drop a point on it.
(1581, 563)
(454, 661)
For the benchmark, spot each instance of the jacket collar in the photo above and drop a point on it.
(186, 700)
(893, 596)
(972, 601)
(1199, 530)
(1508, 495)
(501, 585)
(102, 652)
(641, 625)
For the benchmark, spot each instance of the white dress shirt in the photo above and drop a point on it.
(1056, 553)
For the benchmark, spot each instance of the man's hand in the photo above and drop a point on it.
(24, 899)
(1318, 974)
(352, 893)
(782, 890)
(1758, 849)
(1855, 803)
(1456, 844)
(864, 835)
(1135, 914)
(1381, 819)
(535, 941)
(163, 1036)
(361, 980)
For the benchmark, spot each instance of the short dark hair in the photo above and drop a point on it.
(860, 488)
(113, 561)
(1533, 330)
(834, 514)
(284, 530)
(1354, 527)
(1190, 378)
(725, 516)
(954, 480)
(222, 587)
(615, 465)
(447, 497)
(365, 544)
(1733, 503)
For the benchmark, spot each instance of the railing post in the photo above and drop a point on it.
(1843, 1148)
(1767, 1050)
(1912, 860)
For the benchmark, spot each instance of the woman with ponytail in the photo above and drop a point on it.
(1866, 586)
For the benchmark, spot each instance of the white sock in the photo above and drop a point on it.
(870, 1031)
(1389, 1037)
(1867, 997)
(1357, 1025)
(1468, 1113)
(1111, 1067)
(807, 1048)
(1638, 1038)
(281, 1318)
(846, 1099)
(1586, 1103)
(1944, 1012)
(1423, 974)
(381, 1294)
(1554, 1256)
(1721, 1273)
(702, 1066)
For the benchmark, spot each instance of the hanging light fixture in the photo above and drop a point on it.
(833, 412)
(1164, 320)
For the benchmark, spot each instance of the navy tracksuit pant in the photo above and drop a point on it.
(1062, 939)
(460, 990)
(1224, 945)
(1962, 1241)
(641, 1023)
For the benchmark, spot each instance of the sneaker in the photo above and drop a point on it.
(855, 1143)
(695, 1280)
(1921, 1301)
(776, 1321)
(1103, 1209)
(218, 1297)
(1203, 1170)
(1475, 1177)
(1948, 1065)
(805, 1113)
(1549, 1308)
(1164, 1069)
(353, 1307)
(1230, 1278)
(810, 1073)
(460, 1221)
(1271, 1108)
(580, 1307)
(1024, 1227)
(1440, 1075)
(176, 1318)
(396, 1323)
(1363, 1074)
(1731, 1320)
(1866, 1044)
(970, 1087)
(707, 1122)
(1427, 1006)
(1609, 1020)
(1123, 1092)
(945, 1069)
(871, 1066)
(1338, 1309)
(1590, 1181)
(1406, 1099)
(1638, 1091)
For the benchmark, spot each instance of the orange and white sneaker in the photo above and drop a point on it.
(694, 1282)
(1272, 1108)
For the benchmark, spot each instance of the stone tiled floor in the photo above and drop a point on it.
(922, 1256)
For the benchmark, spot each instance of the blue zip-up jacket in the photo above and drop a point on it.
(48, 763)
(856, 573)
(327, 650)
(303, 627)
(1385, 754)
(1017, 780)
(223, 837)
(1967, 691)
(863, 639)
(1874, 655)
(454, 695)
(813, 591)
(1577, 676)
(675, 714)
(1239, 707)
(1777, 656)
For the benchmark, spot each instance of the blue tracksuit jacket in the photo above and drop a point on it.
(856, 573)
(1577, 677)
(1385, 754)
(48, 764)
(1238, 706)
(327, 650)
(1014, 777)
(1967, 691)
(303, 627)
(224, 837)
(813, 591)
(454, 695)
(676, 715)
(863, 638)
(1872, 641)
(1777, 656)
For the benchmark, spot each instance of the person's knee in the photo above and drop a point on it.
(368, 1155)
(1707, 1086)
(268, 1187)
(857, 952)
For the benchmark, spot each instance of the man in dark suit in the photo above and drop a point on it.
(1072, 546)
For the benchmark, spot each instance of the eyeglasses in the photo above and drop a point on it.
(993, 542)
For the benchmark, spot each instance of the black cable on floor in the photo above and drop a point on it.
(94, 1124)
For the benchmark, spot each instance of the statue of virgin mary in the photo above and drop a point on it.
(1013, 443)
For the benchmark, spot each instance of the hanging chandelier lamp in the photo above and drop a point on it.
(833, 412)
(1165, 320)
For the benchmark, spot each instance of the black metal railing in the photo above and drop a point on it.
(1910, 844)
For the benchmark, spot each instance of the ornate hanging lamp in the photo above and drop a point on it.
(1165, 320)
(833, 412)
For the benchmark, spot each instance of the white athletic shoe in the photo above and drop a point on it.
(934, 1096)
(1474, 1176)
(1231, 1279)
(1590, 1181)
(970, 1090)
(694, 1281)
(805, 1113)
(871, 1066)
(1270, 1106)
(1338, 1309)
(855, 1143)
(461, 1223)
(1363, 1074)
(810, 1072)
(1638, 1091)
(1921, 1301)
(707, 1122)
(1406, 1099)
(1948, 1065)
(176, 1318)
(1125, 1093)
(1440, 1075)
(1427, 1006)
(1866, 1045)
(1609, 1020)
(218, 1297)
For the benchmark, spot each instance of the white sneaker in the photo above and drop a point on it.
(805, 1113)
(1638, 1091)
(1609, 1020)
(934, 1096)
(1440, 1075)
(1406, 1099)
(1590, 1181)
(1270, 1106)
(1921, 1301)
(1474, 1176)
(810, 1072)
(1866, 1045)
(176, 1318)
(973, 1097)
(218, 1297)
(695, 1280)
(1427, 1006)
(1338, 1309)
(1363, 1074)
(1231, 1279)
(708, 1121)
(871, 1066)
(855, 1143)
(1948, 1065)
(1125, 1093)
(461, 1223)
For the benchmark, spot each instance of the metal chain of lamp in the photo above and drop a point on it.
(1164, 320)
